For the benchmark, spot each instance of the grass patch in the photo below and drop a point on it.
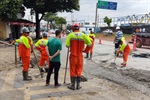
(128, 37)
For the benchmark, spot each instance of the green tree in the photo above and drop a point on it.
(50, 18)
(108, 21)
(60, 21)
(10, 8)
(53, 6)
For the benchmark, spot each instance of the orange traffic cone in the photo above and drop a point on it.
(134, 43)
(100, 41)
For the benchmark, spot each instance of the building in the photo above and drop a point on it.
(4, 30)
(13, 28)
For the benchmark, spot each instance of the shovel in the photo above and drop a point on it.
(114, 63)
(66, 67)
(37, 65)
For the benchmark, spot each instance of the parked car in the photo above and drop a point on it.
(67, 32)
(32, 33)
(52, 31)
(107, 32)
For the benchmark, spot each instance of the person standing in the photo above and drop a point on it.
(125, 49)
(41, 46)
(118, 36)
(75, 42)
(54, 48)
(25, 47)
(92, 36)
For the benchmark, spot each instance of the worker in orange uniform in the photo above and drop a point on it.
(75, 42)
(41, 46)
(125, 49)
(92, 36)
(25, 53)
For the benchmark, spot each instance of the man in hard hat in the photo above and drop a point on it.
(92, 36)
(75, 42)
(125, 49)
(41, 46)
(25, 47)
(118, 36)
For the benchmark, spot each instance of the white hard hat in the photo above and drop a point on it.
(117, 28)
(44, 34)
(25, 30)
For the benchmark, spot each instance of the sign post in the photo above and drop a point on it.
(104, 5)
(107, 5)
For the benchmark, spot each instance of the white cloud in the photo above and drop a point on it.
(88, 8)
(124, 8)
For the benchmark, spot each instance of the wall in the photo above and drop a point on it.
(3, 30)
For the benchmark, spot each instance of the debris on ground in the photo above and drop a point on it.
(139, 75)
(83, 79)
(142, 55)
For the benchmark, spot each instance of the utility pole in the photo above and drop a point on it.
(96, 18)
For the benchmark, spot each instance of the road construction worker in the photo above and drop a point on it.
(24, 47)
(118, 36)
(75, 42)
(41, 46)
(125, 49)
(92, 36)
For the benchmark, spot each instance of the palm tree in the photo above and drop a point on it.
(108, 21)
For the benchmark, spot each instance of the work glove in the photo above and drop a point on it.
(16, 44)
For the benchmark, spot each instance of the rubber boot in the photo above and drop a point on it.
(29, 76)
(87, 55)
(25, 76)
(90, 57)
(78, 83)
(72, 85)
(41, 69)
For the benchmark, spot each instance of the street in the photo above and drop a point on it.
(106, 80)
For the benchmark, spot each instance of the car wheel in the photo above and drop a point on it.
(138, 43)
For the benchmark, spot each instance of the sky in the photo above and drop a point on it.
(88, 9)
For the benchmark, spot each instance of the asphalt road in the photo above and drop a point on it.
(106, 81)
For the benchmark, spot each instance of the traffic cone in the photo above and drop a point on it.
(100, 41)
(134, 43)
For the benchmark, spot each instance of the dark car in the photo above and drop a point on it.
(142, 39)
(67, 32)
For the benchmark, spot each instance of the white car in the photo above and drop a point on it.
(107, 32)
(32, 35)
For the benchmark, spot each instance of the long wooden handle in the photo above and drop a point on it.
(66, 65)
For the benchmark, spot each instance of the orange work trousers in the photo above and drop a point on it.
(125, 55)
(76, 65)
(25, 63)
(91, 49)
(43, 59)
